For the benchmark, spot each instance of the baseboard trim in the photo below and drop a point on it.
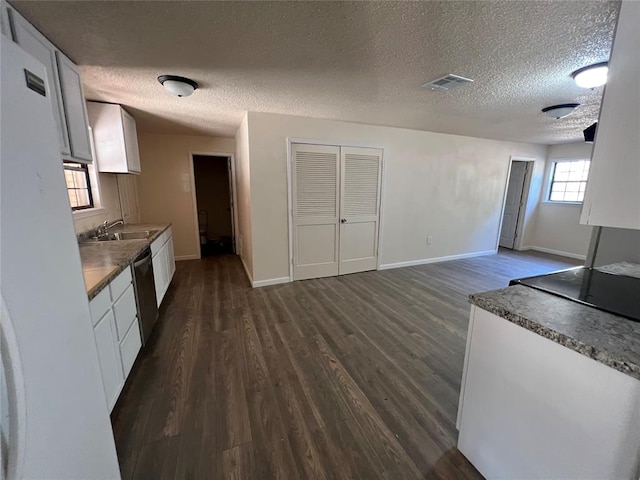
(554, 252)
(246, 270)
(270, 281)
(424, 261)
(187, 257)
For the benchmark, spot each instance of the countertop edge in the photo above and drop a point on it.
(91, 294)
(590, 351)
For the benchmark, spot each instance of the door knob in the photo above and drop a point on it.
(343, 220)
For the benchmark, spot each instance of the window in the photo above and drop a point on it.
(78, 185)
(569, 181)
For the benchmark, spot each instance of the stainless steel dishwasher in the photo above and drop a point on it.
(145, 293)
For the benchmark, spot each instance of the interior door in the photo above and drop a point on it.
(315, 193)
(512, 204)
(359, 209)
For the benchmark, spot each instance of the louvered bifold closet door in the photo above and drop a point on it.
(316, 171)
(359, 209)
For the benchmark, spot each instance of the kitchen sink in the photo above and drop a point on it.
(122, 236)
(134, 235)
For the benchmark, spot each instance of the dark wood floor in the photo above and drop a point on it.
(346, 377)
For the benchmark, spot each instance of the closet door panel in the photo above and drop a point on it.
(359, 209)
(316, 173)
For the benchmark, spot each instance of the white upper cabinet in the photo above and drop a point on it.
(115, 138)
(65, 89)
(612, 198)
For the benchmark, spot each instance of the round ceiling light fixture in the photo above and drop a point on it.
(560, 111)
(180, 86)
(591, 76)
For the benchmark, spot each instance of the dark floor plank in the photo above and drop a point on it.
(238, 463)
(158, 460)
(348, 377)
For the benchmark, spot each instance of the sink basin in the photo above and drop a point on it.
(133, 235)
(123, 236)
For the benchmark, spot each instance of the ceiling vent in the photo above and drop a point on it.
(446, 83)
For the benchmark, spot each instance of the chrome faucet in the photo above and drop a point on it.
(107, 226)
(103, 229)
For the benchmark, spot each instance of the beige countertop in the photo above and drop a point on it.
(103, 261)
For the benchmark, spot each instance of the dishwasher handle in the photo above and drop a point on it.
(142, 259)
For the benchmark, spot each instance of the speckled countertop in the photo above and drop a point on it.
(622, 268)
(103, 261)
(604, 337)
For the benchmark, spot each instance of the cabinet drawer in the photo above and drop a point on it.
(99, 305)
(129, 348)
(120, 283)
(125, 311)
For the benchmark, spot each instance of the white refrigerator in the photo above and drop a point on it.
(54, 421)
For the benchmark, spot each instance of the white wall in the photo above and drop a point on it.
(449, 187)
(164, 187)
(556, 227)
(244, 241)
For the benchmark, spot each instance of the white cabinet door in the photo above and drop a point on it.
(131, 142)
(5, 26)
(130, 347)
(612, 198)
(160, 273)
(171, 261)
(43, 50)
(125, 311)
(109, 356)
(75, 109)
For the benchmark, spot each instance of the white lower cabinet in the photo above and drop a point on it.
(164, 263)
(116, 332)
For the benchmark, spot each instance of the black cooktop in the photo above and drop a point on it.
(617, 294)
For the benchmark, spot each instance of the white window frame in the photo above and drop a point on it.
(552, 169)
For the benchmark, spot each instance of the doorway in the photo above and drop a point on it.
(212, 178)
(514, 203)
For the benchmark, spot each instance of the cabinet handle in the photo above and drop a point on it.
(343, 220)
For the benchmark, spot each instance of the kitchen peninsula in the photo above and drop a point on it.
(551, 388)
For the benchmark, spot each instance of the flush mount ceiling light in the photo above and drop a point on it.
(180, 86)
(591, 76)
(560, 111)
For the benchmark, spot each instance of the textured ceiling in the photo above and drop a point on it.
(362, 62)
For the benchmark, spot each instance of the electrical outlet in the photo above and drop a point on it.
(429, 240)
